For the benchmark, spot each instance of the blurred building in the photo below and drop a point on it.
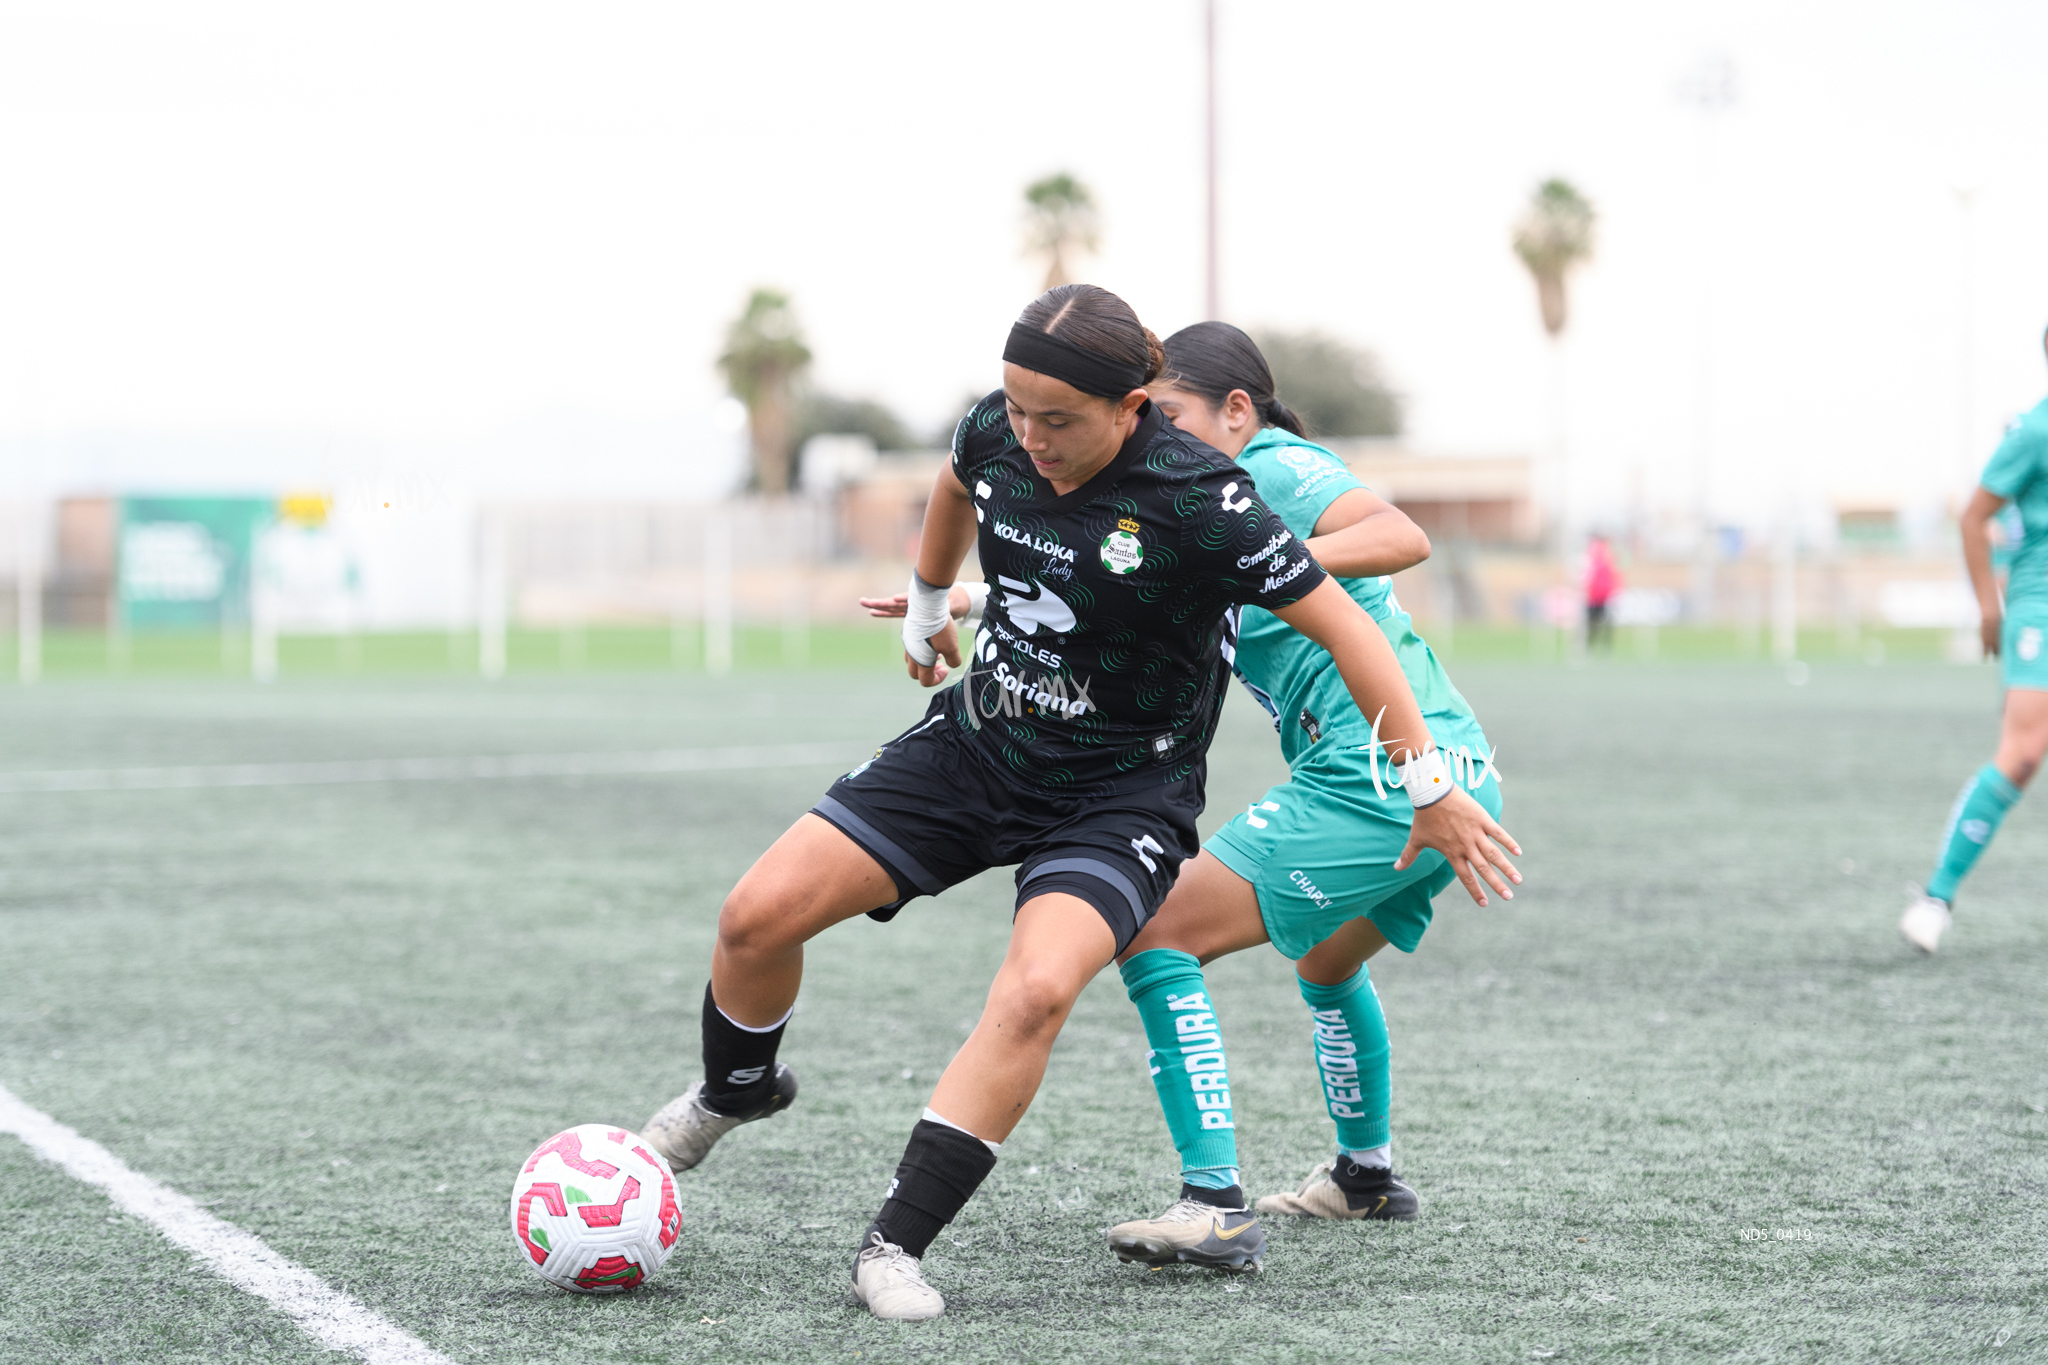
(1475, 500)
(395, 558)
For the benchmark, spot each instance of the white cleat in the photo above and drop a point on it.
(684, 1129)
(1924, 922)
(890, 1282)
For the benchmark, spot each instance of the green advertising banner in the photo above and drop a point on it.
(184, 563)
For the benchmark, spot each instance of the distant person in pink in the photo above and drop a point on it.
(1602, 581)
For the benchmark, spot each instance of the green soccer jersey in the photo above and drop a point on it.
(2018, 471)
(1294, 678)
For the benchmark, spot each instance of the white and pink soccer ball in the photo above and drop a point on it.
(594, 1210)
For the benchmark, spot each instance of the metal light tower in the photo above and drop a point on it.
(1212, 289)
(1710, 88)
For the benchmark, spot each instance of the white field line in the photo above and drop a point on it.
(332, 1318)
(484, 768)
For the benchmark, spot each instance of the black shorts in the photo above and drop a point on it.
(933, 811)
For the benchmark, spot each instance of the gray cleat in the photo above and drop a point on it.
(685, 1129)
(1194, 1233)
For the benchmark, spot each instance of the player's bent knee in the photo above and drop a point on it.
(752, 923)
(1033, 1002)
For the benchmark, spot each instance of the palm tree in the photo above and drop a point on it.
(764, 353)
(1059, 218)
(1554, 235)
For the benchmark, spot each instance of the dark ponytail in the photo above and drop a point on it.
(1092, 318)
(1213, 358)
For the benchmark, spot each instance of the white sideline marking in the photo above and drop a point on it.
(329, 1316)
(432, 769)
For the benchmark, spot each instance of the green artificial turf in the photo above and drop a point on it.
(1689, 1097)
(72, 653)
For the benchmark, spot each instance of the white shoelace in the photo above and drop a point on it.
(898, 1260)
(1190, 1211)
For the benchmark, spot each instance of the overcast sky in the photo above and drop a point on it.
(241, 241)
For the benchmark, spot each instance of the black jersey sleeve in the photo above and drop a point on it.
(1242, 545)
(981, 432)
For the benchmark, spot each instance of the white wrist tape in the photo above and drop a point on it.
(1427, 779)
(927, 616)
(977, 599)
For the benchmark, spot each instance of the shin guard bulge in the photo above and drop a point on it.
(1352, 1056)
(739, 1062)
(1188, 1066)
(1980, 806)
(941, 1168)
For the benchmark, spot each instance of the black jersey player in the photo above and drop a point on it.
(1116, 547)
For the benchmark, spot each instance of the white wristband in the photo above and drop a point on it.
(1426, 779)
(926, 616)
(977, 599)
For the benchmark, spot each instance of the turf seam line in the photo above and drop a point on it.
(328, 1315)
(488, 767)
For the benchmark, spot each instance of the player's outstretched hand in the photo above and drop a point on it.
(1459, 828)
(1989, 630)
(899, 605)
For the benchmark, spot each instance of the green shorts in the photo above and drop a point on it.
(1319, 850)
(2023, 646)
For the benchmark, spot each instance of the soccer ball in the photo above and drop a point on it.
(594, 1210)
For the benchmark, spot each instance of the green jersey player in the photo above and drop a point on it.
(2013, 631)
(1323, 866)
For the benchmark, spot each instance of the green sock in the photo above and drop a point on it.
(1981, 804)
(1188, 1068)
(1352, 1055)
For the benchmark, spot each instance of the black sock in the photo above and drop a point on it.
(1359, 1183)
(1232, 1198)
(941, 1169)
(739, 1066)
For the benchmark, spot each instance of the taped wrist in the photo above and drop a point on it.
(977, 599)
(1426, 779)
(927, 616)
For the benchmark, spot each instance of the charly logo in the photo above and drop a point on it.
(1122, 551)
(1031, 605)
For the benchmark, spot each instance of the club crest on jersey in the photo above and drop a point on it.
(1122, 551)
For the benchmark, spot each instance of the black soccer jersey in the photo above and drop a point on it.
(1101, 663)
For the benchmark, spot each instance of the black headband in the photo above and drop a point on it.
(1068, 363)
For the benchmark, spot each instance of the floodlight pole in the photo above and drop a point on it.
(1212, 293)
(1710, 88)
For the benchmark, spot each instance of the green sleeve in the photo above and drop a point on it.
(1298, 482)
(2018, 460)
